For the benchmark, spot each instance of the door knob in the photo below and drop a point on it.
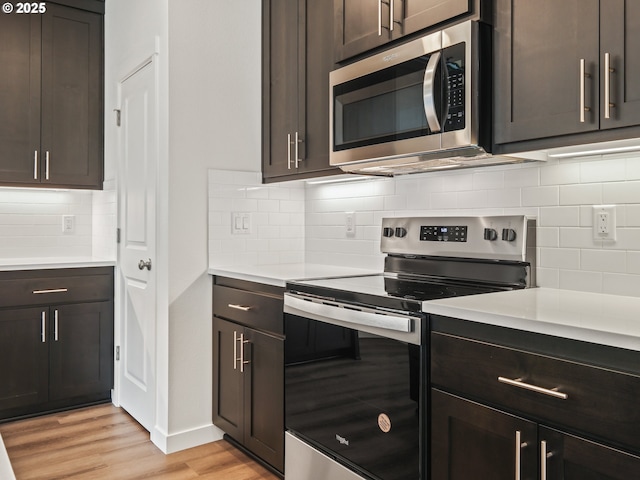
(142, 264)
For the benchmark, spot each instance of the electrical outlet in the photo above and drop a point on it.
(604, 222)
(68, 224)
(350, 224)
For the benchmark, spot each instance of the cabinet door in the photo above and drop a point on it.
(228, 397)
(539, 45)
(314, 151)
(72, 97)
(469, 440)
(264, 397)
(19, 97)
(283, 53)
(620, 28)
(81, 350)
(419, 14)
(360, 25)
(573, 458)
(24, 351)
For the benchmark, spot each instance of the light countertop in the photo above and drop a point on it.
(592, 317)
(278, 275)
(41, 263)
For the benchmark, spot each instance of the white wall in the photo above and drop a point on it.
(560, 193)
(214, 122)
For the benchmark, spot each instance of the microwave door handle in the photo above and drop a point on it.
(428, 92)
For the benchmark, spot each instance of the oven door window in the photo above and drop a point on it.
(361, 405)
(390, 104)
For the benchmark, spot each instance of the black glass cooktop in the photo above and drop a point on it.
(402, 292)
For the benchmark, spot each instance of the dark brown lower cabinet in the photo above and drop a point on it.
(471, 440)
(248, 400)
(60, 355)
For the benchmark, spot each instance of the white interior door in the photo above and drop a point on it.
(137, 248)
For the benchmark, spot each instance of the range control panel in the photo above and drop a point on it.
(492, 237)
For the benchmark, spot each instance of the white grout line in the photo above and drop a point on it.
(6, 472)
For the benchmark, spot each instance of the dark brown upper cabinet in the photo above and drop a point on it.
(297, 59)
(565, 69)
(362, 25)
(51, 120)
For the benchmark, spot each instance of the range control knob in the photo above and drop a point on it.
(508, 234)
(387, 232)
(490, 234)
(401, 232)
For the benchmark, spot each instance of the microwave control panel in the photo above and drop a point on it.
(455, 91)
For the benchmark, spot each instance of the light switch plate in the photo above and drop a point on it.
(240, 223)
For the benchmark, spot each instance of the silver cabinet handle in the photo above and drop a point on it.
(607, 85)
(289, 151)
(43, 327)
(50, 290)
(243, 362)
(55, 325)
(298, 141)
(379, 18)
(142, 264)
(544, 455)
(583, 75)
(35, 165)
(527, 386)
(428, 97)
(518, 454)
(391, 22)
(239, 307)
(46, 165)
(235, 349)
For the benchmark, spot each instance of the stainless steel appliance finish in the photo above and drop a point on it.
(424, 105)
(356, 347)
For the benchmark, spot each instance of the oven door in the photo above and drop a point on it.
(353, 386)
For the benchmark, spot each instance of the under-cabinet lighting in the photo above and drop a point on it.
(621, 146)
(351, 178)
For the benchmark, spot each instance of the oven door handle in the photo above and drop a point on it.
(329, 310)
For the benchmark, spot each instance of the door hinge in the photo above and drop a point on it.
(118, 112)
(118, 353)
(117, 235)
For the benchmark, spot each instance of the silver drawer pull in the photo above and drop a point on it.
(51, 290)
(527, 386)
(240, 307)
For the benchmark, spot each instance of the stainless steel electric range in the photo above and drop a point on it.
(356, 348)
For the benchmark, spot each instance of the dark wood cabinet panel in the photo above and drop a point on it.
(228, 405)
(20, 50)
(539, 46)
(81, 346)
(248, 367)
(72, 109)
(564, 72)
(362, 25)
(51, 125)
(56, 355)
(24, 358)
(470, 440)
(264, 387)
(297, 59)
(619, 30)
(573, 458)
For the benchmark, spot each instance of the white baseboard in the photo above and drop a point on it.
(6, 472)
(185, 439)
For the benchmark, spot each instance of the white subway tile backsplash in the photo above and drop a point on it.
(621, 192)
(559, 216)
(581, 194)
(563, 258)
(603, 261)
(609, 170)
(560, 173)
(580, 280)
(540, 196)
(621, 284)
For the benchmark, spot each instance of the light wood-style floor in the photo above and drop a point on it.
(104, 442)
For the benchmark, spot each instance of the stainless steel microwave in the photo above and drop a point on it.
(423, 105)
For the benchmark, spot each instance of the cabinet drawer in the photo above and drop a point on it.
(597, 401)
(52, 290)
(255, 310)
